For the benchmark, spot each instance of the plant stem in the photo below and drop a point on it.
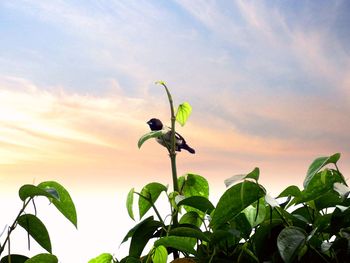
(14, 224)
(282, 217)
(172, 153)
(153, 206)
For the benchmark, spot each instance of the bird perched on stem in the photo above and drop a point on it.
(165, 140)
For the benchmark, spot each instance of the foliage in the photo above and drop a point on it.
(35, 228)
(308, 225)
(247, 225)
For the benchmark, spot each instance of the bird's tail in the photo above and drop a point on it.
(188, 148)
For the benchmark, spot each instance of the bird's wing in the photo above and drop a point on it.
(178, 136)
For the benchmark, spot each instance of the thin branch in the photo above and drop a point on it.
(14, 224)
(153, 206)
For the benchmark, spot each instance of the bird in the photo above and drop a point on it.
(165, 140)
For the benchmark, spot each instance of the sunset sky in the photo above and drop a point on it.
(269, 83)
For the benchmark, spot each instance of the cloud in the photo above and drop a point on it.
(49, 123)
(263, 86)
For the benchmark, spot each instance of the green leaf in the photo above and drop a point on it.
(234, 200)
(340, 219)
(191, 218)
(129, 259)
(193, 185)
(239, 177)
(246, 255)
(183, 112)
(103, 258)
(265, 237)
(188, 232)
(65, 203)
(289, 242)
(149, 195)
(47, 258)
(140, 235)
(328, 199)
(14, 259)
(129, 203)
(241, 224)
(224, 236)
(321, 183)
(251, 213)
(36, 229)
(199, 202)
(182, 244)
(317, 165)
(132, 230)
(291, 190)
(29, 191)
(305, 214)
(160, 255)
(147, 136)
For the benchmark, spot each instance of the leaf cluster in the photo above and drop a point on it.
(247, 225)
(35, 228)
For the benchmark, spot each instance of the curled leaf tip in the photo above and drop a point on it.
(160, 82)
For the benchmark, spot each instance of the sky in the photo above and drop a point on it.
(269, 83)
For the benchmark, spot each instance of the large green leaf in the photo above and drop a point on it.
(199, 202)
(130, 259)
(36, 229)
(234, 200)
(14, 259)
(193, 185)
(225, 236)
(305, 214)
(321, 183)
(183, 112)
(255, 216)
(239, 177)
(191, 218)
(147, 136)
(241, 224)
(139, 225)
(182, 244)
(328, 199)
(160, 254)
(188, 232)
(41, 258)
(103, 258)
(317, 165)
(65, 203)
(265, 238)
(140, 235)
(289, 242)
(291, 190)
(129, 203)
(29, 191)
(149, 195)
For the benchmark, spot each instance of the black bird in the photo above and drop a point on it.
(165, 140)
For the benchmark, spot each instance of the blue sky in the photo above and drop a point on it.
(269, 82)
